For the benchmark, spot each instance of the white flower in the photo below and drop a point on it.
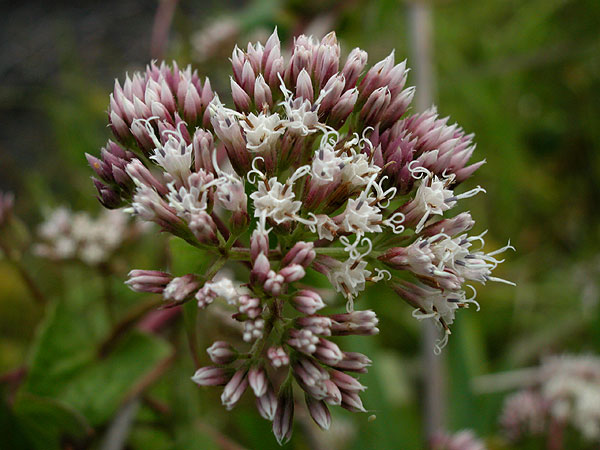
(262, 131)
(191, 199)
(360, 217)
(175, 156)
(230, 193)
(223, 288)
(326, 166)
(275, 201)
(348, 277)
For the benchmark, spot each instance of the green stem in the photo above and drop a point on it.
(14, 259)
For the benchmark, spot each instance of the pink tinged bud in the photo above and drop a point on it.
(466, 172)
(259, 243)
(248, 78)
(352, 402)
(221, 352)
(250, 306)
(118, 127)
(260, 269)
(140, 133)
(317, 324)
(307, 302)
(272, 44)
(303, 340)
(346, 382)
(376, 105)
(212, 376)
(319, 412)
(301, 253)
(274, 283)
(203, 145)
(267, 404)
(142, 175)
(192, 104)
(354, 362)
(396, 78)
(334, 89)
(262, 94)
(234, 389)
(237, 62)
(284, 415)
(356, 322)
(398, 106)
(328, 352)
(278, 357)
(456, 225)
(344, 107)
(355, 64)
(203, 228)
(142, 111)
(258, 381)
(376, 77)
(333, 395)
(304, 88)
(240, 98)
(292, 273)
(107, 196)
(181, 288)
(152, 281)
(161, 111)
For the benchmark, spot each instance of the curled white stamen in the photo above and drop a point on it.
(255, 172)
(382, 274)
(395, 222)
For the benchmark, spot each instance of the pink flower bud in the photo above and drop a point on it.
(304, 88)
(456, 225)
(278, 357)
(376, 105)
(354, 362)
(249, 306)
(267, 404)
(240, 98)
(262, 94)
(258, 381)
(317, 324)
(221, 352)
(301, 253)
(319, 412)
(356, 322)
(203, 228)
(234, 389)
(248, 78)
(303, 340)
(284, 415)
(307, 301)
(376, 77)
(356, 62)
(141, 175)
(259, 243)
(328, 352)
(152, 281)
(204, 147)
(274, 283)
(352, 402)
(293, 272)
(260, 269)
(346, 382)
(344, 107)
(334, 89)
(181, 288)
(212, 376)
(333, 395)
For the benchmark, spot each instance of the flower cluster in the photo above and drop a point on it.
(567, 391)
(318, 168)
(461, 440)
(69, 235)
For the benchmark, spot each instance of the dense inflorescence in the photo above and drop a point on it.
(318, 168)
(566, 391)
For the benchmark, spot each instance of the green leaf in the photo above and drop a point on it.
(65, 364)
(47, 422)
